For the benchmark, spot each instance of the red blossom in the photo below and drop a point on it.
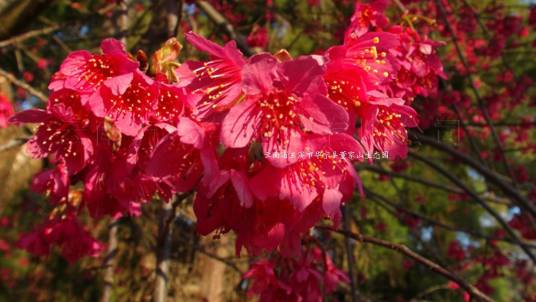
(127, 100)
(456, 251)
(58, 138)
(258, 37)
(67, 233)
(295, 279)
(6, 110)
(218, 81)
(84, 72)
(283, 100)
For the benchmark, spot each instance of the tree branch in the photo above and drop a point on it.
(346, 211)
(163, 250)
(481, 202)
(489, 175)
(28, 35)
(473, 291)
(483, 109)
(483, 195)
(11, 78)
(108, 262)
(163, 246)
(220, 21)
(383, 201)
(13, 143)
(221, 259)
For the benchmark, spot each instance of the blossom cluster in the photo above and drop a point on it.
(118, 137)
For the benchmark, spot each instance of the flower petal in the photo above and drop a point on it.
(321, 115)
(240, 124)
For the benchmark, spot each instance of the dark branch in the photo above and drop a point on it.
(11, 78)
(489, 175)
(381, 200)
(473, 291)
(480, 102)
(221, 22)
(477, 199)
(28, 35)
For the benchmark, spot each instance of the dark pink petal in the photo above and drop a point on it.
(98, 202)
(69, 77)
(321, 115)
(258, 74)
(30, 116)
(63, 142)
(266, 183)
(131, 110)
(304, 74)
(209, 215)
(380, 98)
(240, 124)
(54, 183)
(177, 164)
(331, 202)
(111, 46)
(35, 243)
(300, 194)
(74, 240)
(338, 142)
(119, 84)
(170, 103)
(229, 51)
(205, 45)
(241, 186)
(281, 144)
(191, 133)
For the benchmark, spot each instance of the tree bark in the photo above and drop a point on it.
(163, 251)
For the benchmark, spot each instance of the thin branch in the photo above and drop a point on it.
(479, 100)
(28, 35)
(346, 211)
(382, 200)
(11, 78)
(401, 6)
(489, 175)
(221, 259)
(177, 30)
(122, 20)
(163, 246)
(108, 262)
(410, 178)
(483, 195)
(62, 44)
(13, 143)
(222, 22)
(429, 291)
(481, 202)
(502, 124)
(472, 290)
(163, 251)
(472, 142)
